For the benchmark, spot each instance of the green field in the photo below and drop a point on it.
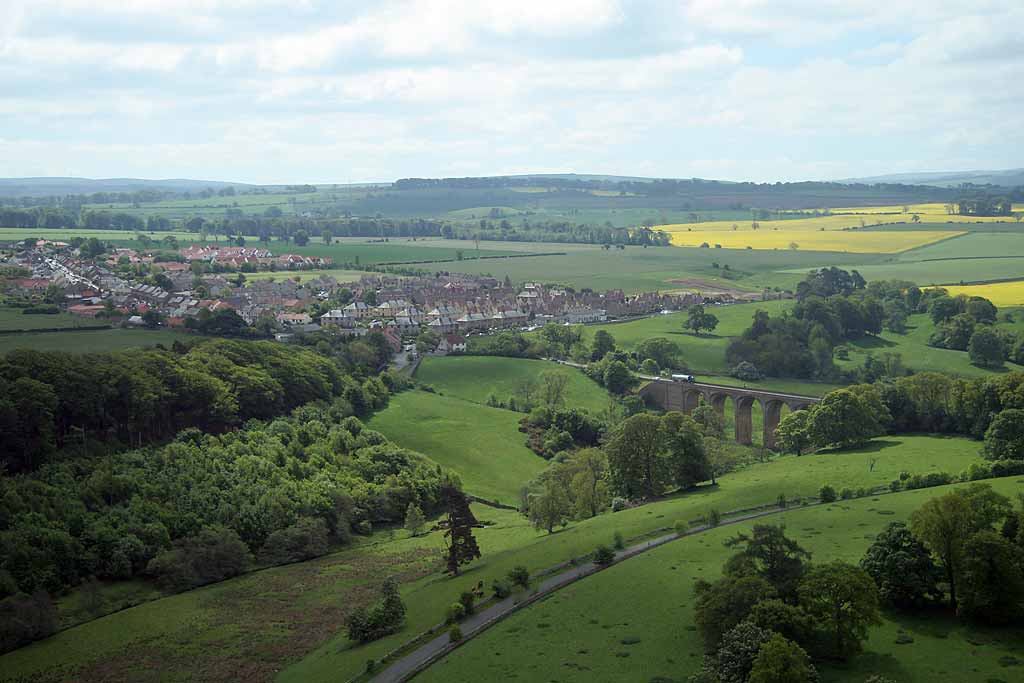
(90, 341)
(579, 632)
(474, 378)
(12, 319)
(214, 633)
(339, 274)
(917, 355)
(483, 445)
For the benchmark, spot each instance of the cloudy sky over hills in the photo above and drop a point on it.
(293, 90)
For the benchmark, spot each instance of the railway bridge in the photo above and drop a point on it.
(684, 397)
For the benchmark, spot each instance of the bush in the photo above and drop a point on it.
(40, 310)
(781, 500)
(501, 589)
(619, 504)
(301, 541)
(519, 576)
(385, 617)
(454, 634)
(924, 481)
(827, 494)
(846, 493)
(713, 518)
(746, 371)
(604, 556)
(862, 492)
(467, 600)
(681, 527)
(618, 543)
(215, 554)
(456, 612)
(24, 618)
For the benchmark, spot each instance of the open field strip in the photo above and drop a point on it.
(63, 235)
(999, 293)
(90, 341)
(339, 274)
(633, 621)
(827, 240)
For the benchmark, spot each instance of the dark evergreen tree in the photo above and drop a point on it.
(462, 546)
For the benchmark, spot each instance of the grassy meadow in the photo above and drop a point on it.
(474, 378)
(483, 445)
(90, 341)
(13, 320)
(633, 622)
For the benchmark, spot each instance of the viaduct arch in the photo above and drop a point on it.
(684, 397)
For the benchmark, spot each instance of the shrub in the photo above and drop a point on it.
(501, 588)
(827, 494)
(618, 542)
(846, 493)
(519, 576)
(303, 540)
(862, 492)
(24, 618)
(454, 634)
(681, 526)
(746, 371)
(895, 485)
(383, 618)
(619, 504)
(456, 612)
(604, 556)
(467, 600)
(215, 554)
(781, 500)
(713, 518)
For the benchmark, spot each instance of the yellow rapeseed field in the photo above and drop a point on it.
(854, 241)
(999, 293)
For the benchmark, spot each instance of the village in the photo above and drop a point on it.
(133, 288)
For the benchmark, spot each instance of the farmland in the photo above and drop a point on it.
(13, 320)
(475, 378)
(823, 240)
(999, 293)
(483, 445)
(90, 341)
(632, 621)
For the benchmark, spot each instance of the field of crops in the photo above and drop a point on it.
(852, 241)
(633, 622)
(999, 293)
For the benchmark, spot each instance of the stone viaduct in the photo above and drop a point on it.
(684, 397)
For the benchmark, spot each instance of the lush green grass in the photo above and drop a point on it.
(917, 355)
(702, 354)
(90, 341)
(8, 234)
(579, 632)
(513, 542)
(291, 615)
(474, 378)
(15, 319)
(483, 445)
(971, 245)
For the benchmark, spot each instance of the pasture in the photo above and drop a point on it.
(474, 378)
(482, 444)
(339, 274)
(90, 341)
(633, 622)
(13, 320)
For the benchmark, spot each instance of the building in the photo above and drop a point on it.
(452, 343)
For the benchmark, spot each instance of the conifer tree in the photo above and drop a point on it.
(462, 546)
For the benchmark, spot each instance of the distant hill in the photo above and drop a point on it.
(1009, 178)
(40, 187)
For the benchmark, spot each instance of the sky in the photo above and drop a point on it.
(289, 91)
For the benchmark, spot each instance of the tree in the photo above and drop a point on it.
(553, 384)
(548, 508)
(793, 433)
(902, 568)
(617, 377)
(664, 351)
(684, 442)
(734, 660)
(414, 519)
(462, 545)
(843, 419)
(1004, 438)
(770, 554)
(697, 319)
(301, 238)
(722, 605)
(843, 600)
(709, 419)
(603, 343)
(943, 524)
(986, 348)
(782, 661)
(637, 464)
(993, 579)
(589, 486)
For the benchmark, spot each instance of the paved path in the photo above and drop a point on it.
(404, 668)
